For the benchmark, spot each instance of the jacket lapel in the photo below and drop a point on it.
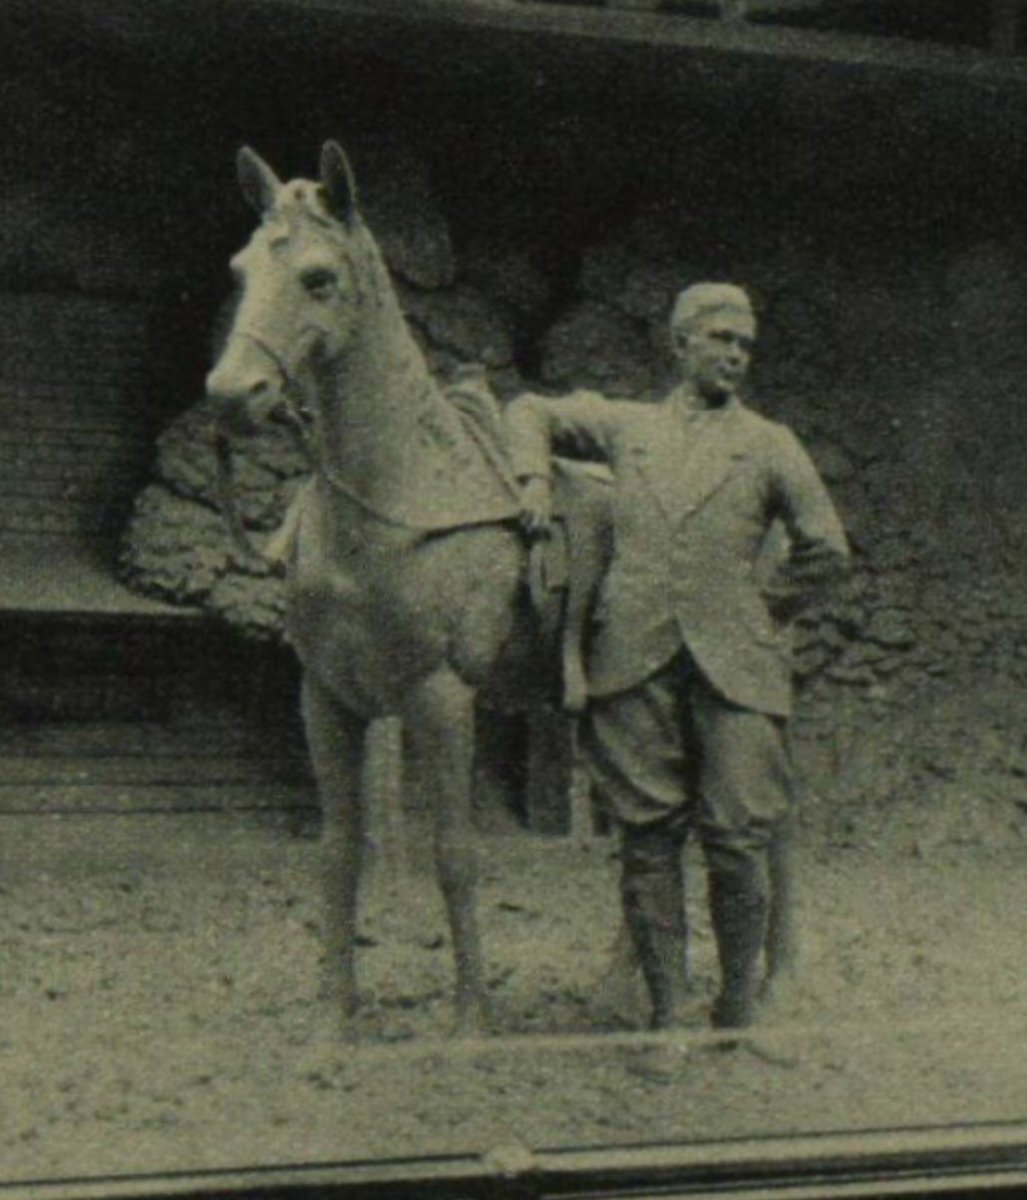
(685, 459)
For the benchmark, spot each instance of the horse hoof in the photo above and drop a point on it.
(663, 1063)
(778, 995)
(341, 1006)
(469, 1023)
(347, 1033)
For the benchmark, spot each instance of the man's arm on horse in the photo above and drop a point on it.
(582, 424)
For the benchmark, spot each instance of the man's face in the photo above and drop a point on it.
(714, 351)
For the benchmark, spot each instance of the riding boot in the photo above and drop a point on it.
(738, 912)
(782, 948)
(652, 894)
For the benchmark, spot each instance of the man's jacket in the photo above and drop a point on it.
(696, 495)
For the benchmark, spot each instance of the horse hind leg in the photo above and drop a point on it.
(440, 727)
(335, 739)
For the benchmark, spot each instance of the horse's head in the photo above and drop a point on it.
(299, 287)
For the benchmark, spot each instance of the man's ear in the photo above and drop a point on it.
(678, 340)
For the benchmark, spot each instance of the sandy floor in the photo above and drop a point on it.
(159, 979)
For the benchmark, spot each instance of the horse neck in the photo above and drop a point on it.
(383, 418)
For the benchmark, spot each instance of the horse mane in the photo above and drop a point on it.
(432, 470)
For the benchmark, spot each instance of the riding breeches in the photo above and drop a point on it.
(673, 753)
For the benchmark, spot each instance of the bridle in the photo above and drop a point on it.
(290, 412)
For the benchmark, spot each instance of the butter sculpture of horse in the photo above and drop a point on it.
(405, 581)
(406, 566)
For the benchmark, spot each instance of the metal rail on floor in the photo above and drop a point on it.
(918, 1162)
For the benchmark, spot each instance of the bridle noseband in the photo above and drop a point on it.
(291, 412)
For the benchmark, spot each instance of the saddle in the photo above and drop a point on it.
(565, 568)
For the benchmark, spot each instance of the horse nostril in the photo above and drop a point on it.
(234, 389)
(212, 384)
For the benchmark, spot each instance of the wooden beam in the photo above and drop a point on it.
(518, 27)
(1005, 20)
(670, 34)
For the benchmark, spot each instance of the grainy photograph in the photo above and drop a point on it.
(514, 594)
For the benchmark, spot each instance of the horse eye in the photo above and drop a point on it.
(318, 280)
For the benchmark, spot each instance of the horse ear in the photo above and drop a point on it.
(258, 182)
(338, 182)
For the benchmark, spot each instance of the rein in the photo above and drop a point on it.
(293, 415)
(292, 412)
(296, 418)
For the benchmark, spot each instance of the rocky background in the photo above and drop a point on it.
(541, 225)
(900, 365)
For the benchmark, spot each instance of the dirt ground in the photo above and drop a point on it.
(159, 982)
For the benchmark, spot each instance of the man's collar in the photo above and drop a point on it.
(684, 399)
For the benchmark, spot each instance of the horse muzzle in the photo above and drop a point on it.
(244, 403)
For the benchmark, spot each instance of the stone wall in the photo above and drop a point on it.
(540, 221)
(177, 545)
(899, 361)
(901, 365)
(538, 217)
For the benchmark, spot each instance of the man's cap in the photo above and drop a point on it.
(702, 298)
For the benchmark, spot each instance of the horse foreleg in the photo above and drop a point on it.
(440, 725)
(335, 738)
